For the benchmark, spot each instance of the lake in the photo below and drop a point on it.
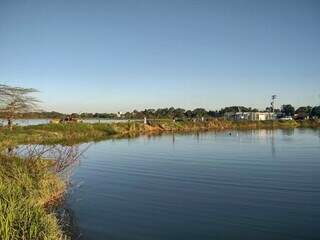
(25, 122)
(258, 184)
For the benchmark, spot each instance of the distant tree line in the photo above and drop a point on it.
(301, 112)
(178, 113)
(286, 110)
(18, 102)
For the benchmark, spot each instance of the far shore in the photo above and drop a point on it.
(69, 133)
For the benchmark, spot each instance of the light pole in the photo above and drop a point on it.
(273, 97)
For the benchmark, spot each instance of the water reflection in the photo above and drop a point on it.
(207, 185)
(273, 148)
(288, 132)
(68, 220)
(173, 139)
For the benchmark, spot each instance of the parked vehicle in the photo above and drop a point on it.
(287, 118)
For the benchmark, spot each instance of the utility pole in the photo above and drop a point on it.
(273, 97)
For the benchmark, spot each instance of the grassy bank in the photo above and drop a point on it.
(82, 132)
(27, 187)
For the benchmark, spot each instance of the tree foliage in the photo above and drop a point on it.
(15, 100)
(315, 112)
(288, 110)
(304, 111)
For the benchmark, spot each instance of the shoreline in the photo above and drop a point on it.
(72, 133)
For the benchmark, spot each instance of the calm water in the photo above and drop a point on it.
(26, 122)
(250, 185)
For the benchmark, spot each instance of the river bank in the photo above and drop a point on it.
(83, 132)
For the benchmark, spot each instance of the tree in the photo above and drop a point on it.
(214, 114)
(287, 110)
(199, 112)
(179, 113)
(268, 109)
(188, 114)
(303, 111)
(149, 113)
(15, 100)
(315, 112)
(234, 109)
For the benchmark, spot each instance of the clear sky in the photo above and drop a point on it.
(107, 56)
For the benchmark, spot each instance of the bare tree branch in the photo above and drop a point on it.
(15, 100)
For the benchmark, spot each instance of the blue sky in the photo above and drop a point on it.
(107, 56)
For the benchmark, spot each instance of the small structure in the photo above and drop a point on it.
(261, 116)
(236, 116)
(251, 116)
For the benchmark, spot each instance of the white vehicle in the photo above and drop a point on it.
(285, 118)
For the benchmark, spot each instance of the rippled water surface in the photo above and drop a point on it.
(247, 185)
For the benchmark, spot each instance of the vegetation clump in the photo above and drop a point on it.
(27, 187)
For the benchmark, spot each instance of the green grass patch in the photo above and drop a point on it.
(26, 187)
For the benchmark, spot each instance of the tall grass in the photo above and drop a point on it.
(25, 188)
(83, 132)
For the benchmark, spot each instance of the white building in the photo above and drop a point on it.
(251, 116)
(261, 116)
